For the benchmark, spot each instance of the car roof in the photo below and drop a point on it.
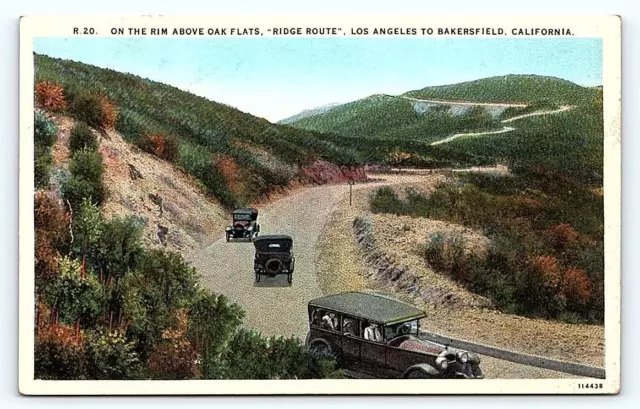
(270, 237)
(372, 307)
(245, 210)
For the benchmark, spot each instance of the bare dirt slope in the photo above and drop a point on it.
(189, 215)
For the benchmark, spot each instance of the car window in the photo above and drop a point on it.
(329, 321)
(351, 326)
(372, 332)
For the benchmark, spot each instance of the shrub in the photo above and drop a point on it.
(82, 138)
(86, 178)
(75, 299)
(44, 130)
(44, 137)
(538, 286)
(576, 287)
(41, 167)
(174, 357)
(250, 356)
(59, 353)
(446, 253)
(385, 200)
(561, 236)
(164, 147)
(51, 237)
(94, 109)
(110, 356)
(50, 95)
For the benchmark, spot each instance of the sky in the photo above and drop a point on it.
(275, 78)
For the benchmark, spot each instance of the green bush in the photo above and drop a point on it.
(75, 298)
(86, 178)
(87, 107)
(44, 133)
(250, 356)
(82, 138)
(385, 200)
(41, 166)
(110, 356)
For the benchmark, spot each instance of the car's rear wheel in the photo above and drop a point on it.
(289, 278)
(257, 277)
(228, 237)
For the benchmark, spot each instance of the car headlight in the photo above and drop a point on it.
(228, 229)
(441, 361)
(463, 357)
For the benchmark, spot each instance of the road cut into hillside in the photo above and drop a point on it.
(275, 308)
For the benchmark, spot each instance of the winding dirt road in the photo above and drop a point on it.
(272, 306)
(275, 308)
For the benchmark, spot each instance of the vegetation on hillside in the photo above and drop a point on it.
(526, 89)
(108, 308)
(395, 118)
(188, 130)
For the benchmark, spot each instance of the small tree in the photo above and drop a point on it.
(576, 286)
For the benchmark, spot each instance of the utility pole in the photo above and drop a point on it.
(351, 182)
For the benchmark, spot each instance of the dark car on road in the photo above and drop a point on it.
(274, 256)
(379, 336)
(244, 225)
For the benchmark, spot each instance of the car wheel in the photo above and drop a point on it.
(417, 374)
(289, 278)
(257, 277)
(273, 266)
(228, 237)
(320, 348)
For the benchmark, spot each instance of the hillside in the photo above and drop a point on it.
(392, 117)
(153, 191)
(528, 89)
(217, 143)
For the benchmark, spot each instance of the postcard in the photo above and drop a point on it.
(319, 205)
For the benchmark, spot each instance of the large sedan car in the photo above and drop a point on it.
(380, 336)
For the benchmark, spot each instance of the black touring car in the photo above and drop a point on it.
(274, 256)
(245, 224)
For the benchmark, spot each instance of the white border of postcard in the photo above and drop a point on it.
(608, 28)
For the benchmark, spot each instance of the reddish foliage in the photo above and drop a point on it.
(545, 268)
(229, 171)
(576, 286)
(165, 147)
(562, 236)
(109, 114)
(50, 95)
(174, 357)
(59, 353)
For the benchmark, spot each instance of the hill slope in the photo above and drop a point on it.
(434, 112)
(141, 185)
(526, 89)
(217, 143)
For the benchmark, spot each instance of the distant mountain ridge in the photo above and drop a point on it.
(309, 112)
(406, 116)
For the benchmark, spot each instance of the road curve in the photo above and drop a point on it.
(275, 308)
(272, 306)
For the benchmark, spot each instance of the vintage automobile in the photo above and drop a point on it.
(244, 226)
(379, 336)
(274, 256)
